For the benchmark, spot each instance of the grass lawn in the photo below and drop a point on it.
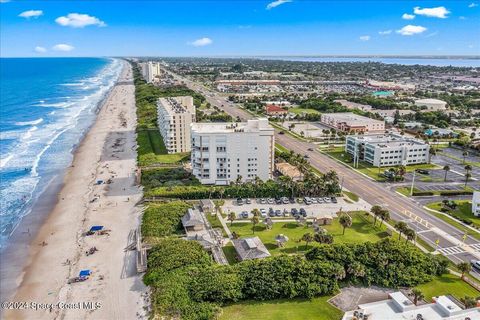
(230, 253)
(215, 223)
(281, 148)
(371, 171)
(302, 110)
(284, 309)
(151, 150)
(447, 284)
(361, 230)
(351, 195)
(462, 212)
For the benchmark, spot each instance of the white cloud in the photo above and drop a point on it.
(407, 16)
(438, 12)
(410, 30)
(63, 47)
(40, 49)
(78, 20)
(201, 42)
(364, 38)
(277, 3)
(31, 14)
(4, 1)
(473, 5)
(385, 32)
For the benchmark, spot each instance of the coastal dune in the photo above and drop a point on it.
(99, 189)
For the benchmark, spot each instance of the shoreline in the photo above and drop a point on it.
(11, 273)
(60, 235)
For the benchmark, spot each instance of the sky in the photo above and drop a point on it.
(238, 28)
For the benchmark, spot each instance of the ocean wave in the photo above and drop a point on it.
(54, 105)
(4, 161)
(29, 123)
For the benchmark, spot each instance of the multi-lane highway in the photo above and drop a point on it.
(431, 229)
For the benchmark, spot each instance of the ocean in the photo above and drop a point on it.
(47, 105)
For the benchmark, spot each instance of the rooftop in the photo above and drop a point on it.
(388, 140)
(254, 125)
(192, 218)
(177, 104)
(350, 117)
(250, 248)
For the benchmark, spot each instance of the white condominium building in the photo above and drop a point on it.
(387, 150)
(351, 122)
(476, 203)
(150, 70)
(175, 115)
(222, 152)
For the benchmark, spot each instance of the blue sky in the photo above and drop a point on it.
(225, 28)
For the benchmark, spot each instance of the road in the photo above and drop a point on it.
(428, 227)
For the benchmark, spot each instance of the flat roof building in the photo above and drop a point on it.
(399, 307)
(431, 104)
(476, 203)
(225, 152)
(175, 115)
(351, 122)
(150, 70)
(387, 150)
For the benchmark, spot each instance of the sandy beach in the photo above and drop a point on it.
(114, 290)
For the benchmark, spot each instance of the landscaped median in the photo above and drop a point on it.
(459, 209)
(446, 218)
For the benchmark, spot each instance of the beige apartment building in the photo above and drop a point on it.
(175, 115)
(351, 122)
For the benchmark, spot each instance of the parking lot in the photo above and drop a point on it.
(441, 187)
(317, 210)
(437, 175)
(456, 165)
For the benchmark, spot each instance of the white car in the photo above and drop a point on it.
(263, 213)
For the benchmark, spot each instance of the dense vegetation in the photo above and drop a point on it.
(166, 177)
(187, 284)
(163, 219)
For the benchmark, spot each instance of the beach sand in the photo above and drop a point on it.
(57, 254)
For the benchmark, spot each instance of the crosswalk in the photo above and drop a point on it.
(451, 250)
(476, 246)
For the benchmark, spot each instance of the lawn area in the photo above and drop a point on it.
(230, 253)
(302, 110)
(447, 284)
(462, 212)
(361, 230)
(151, 150)
(284, 309)
(215, 223)
(352, 196)
(281, 148)
(367, 169)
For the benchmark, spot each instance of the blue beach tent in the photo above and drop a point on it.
(96, 228)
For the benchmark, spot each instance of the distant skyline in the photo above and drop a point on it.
(239, 28)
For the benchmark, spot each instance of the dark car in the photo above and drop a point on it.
(271, 213)
(310, 149)
(294, 211)
(278, 213)
(422, 171)
(303, 212)
(278, 200)
(306, 156)
(292, 200)
(281, 132)
(240, 201)
(334, 200)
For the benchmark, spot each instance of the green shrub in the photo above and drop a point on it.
(164, 219)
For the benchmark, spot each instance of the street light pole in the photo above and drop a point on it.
(413, 183)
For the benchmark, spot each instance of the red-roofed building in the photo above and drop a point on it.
(273, 110)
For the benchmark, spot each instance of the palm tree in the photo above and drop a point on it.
(431, 152)
(376, 210)
(231, 217)
(468, 168)
(384, 216)
(307, 237)
(400, 227)
(467, 176)
(255, 212)
(409, 234)
(468, 302)
(346, 221)
(446, 168)
(464, 154)
(417, 295)
(464, 267)
(255, 221)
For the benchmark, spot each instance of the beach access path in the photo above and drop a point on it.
(99, 189)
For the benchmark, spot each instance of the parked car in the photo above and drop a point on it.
(306, 156)
(263, 213)
(271, 213)
(278, 213)
(327, 199)
(278, 201)
(334, 199)
(320, 200)
(294, 211)
(314, 200)
(285, 200)
(307, 200)
(244, 215)
(292, 200)
(475, 264)
(303, 212)
(270, 201)
(422, 171)
(248, 201)
(240, 201)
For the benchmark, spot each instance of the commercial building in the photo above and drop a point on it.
(353, 105)
(399, 307)
(476, 203)
(225, 152)
(431, 104)
(387, 150)
(351, 122)
(150, 70)
(273, 110)
(175, 115)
